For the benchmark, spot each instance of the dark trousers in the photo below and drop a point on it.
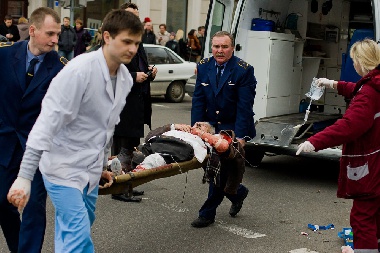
(28, 235)
(216, 194)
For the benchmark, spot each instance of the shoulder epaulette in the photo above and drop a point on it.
(63, 60)
(7, 44)
(243, 64)
(204, 60)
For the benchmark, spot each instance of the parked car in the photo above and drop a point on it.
(190, 85)
(172, 74)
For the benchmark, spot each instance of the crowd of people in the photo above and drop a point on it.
(76, 40)
(57, 141)
(189, 48)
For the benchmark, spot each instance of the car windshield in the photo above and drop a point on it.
(159, 55)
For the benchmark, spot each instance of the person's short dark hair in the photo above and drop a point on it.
(224, 33)
(120, 20)
(201, 27)
(8, 17)
(129, 5)
(162, 25)
(66, 18)
(38, 16)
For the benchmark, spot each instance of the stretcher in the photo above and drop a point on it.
(126, 182)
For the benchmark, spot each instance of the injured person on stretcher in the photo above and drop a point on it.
(175, 143)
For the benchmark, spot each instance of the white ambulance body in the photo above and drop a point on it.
(288, 42)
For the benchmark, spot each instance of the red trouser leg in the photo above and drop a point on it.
(364, 222)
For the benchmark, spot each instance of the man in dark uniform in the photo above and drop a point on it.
(137, 110)
(223, 96)
(24, 79)
(9, 30)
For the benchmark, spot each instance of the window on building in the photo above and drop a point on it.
(176, 15)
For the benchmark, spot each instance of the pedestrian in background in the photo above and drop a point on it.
(162, 36)
(224, 93)
(83, 38)
(182, 45)
(359, 132)
(23, 28)
(25, 76)
(67, 40)
(172, 43)
(9, 30)
(194, 46)
(74, 129)
(201, 37)
(148, 37)
(136, 113)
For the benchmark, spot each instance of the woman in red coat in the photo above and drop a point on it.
(359, 132)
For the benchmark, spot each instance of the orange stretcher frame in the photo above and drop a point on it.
(127, 182)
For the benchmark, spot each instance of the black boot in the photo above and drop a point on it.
(125, 198)
(235, 208)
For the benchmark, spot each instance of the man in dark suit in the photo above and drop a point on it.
(137, 110)
(9, 30)
(223, 96)
(24, 79)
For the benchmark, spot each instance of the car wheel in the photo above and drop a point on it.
(175, 92)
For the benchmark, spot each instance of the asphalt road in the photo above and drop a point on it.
(286, 193)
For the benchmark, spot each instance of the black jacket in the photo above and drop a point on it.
(12, 30)
(68, 39)
(173, 45)
(138, 108)
(149, 37)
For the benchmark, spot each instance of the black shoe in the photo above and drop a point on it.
(201, 222)
(235, 208)
(123, 197)
(138, 193)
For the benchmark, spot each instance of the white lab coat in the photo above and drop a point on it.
(77, 120)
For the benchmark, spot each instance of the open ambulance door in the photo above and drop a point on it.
(219, 18)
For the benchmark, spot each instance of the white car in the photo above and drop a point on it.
(172, 72)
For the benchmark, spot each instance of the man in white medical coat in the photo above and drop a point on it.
(73, 132)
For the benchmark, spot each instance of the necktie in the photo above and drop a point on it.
(218, 74)
(30, 72)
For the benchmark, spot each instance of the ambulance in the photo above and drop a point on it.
(290, 42)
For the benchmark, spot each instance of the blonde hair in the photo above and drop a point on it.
(365, 53)
(179, 34)
(22, 20)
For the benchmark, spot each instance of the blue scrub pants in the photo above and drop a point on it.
(74, 216)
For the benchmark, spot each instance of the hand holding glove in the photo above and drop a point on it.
(305, 147)
(325, 82)
(19, 193)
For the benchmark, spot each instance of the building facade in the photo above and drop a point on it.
(176, 14)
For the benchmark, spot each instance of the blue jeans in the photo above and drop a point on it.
(74, 216)
(67, 54)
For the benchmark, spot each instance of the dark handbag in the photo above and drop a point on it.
(192, 52)
(170, 148)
